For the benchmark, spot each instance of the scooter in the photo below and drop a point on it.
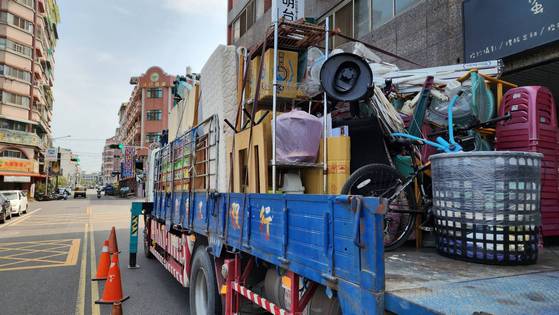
(98, 194)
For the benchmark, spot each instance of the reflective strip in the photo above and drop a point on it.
(258, 300)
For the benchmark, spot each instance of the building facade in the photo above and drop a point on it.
(432, 32)
(142, 119)
(109, 162)
(28, 36)
(69, 167)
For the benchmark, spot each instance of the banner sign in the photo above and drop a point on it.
(128, 165)
(290, 10)
(500, 28)
(54, 168)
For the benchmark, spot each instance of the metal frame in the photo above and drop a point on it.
(276, 44)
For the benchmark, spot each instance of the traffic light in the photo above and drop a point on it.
(116, 146)
(77, 160)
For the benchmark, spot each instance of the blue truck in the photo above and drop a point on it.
(312, 254)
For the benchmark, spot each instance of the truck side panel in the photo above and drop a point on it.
(326, 239)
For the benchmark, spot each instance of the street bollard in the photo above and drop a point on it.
(135, 212)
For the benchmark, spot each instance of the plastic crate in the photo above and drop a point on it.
(487, 206)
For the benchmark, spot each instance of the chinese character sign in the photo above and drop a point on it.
(290, 10)
(500, 28)
(128, 165)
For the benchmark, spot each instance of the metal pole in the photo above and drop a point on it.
(325, 115)
(274, 105)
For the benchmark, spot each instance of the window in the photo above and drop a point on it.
(362, 21)
(155, 93)
(384, 10)
(15, 99)
(153, 115)
(27, 3)
(343, 19)
(153, 137)
(8, 71)
(252, 12)
(12, 154)
(14, 20)
(7, 44)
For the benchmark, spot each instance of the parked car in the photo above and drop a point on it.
(109, 190)
(5, 209)
(79, 192)
(18, 201)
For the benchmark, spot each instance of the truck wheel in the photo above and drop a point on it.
(204, 298)
(147, 253)
(321, 304)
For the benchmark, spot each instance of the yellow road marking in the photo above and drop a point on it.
(52, 242)
(80, 300)
(19, 260)
(94, 285)
(70, 260)
(19, 219)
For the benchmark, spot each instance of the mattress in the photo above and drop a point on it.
(219, 96)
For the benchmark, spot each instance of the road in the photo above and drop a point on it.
(48, 257)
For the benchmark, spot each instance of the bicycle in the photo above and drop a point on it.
(406, 196)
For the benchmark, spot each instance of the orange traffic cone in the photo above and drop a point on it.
(112, 293)
(117, 309)
(104, 263)
(113, 246)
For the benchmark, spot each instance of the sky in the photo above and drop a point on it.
(103, 43)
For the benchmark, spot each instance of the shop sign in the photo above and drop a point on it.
(20, 137)
(500, 28)
(17, 179)
(16, 165)
(290, 10)
(51, 154)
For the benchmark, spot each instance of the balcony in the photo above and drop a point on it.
(22, 138)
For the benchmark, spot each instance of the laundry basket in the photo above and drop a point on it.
(487, 206)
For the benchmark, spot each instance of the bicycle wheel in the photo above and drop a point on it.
(379, 180)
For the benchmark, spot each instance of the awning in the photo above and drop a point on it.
(23, 174)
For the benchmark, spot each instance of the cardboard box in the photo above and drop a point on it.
(339, 156)
(287, 75)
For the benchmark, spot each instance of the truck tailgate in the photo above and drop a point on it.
(427, 283)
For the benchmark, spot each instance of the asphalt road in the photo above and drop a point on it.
(46, 259)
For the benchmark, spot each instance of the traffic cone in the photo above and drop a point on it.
(104, 263)
(117, 309)
(112, 292)
(113, 246)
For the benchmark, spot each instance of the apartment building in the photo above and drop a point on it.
(110, 164)
(28, 36)
(524, 35)
(142, 119)
(69, 167)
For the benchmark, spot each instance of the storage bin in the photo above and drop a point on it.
(487, 206)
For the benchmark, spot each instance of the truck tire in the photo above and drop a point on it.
(204, 297)
(321, 304)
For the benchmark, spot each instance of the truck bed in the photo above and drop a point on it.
(423, 282)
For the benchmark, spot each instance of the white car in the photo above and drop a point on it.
(18, 201)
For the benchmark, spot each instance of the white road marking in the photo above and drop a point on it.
(13, 222)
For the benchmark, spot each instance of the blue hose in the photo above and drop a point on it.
(449, 146)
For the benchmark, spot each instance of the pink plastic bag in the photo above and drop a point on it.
(297, 137)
